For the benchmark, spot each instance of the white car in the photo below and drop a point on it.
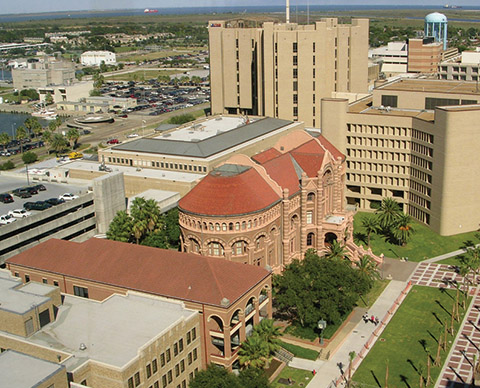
(132, 135)
(6, 219)
(68, 197)
(19, 213)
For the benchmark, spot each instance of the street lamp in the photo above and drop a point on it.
(321, 325)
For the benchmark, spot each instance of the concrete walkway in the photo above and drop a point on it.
(447, 255)
(329, 371)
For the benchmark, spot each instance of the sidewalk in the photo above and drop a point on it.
(329, 371)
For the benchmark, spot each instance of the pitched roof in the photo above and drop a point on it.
(330, 147)
(209, 146)
(229, 191)
(178, 275)
(266, 155)
(285, 171)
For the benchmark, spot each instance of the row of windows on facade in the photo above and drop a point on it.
(418, 214)
(166, 358)
(390, 143)
(461, 69)
(387, 180)
(167, 379)
(392, 156)
(167, 165)
(390, 131)
(457, 77)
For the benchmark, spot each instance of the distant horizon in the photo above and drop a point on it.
(28, 7)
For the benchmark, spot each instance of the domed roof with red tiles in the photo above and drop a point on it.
(229, 190)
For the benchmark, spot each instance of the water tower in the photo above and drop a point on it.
(436, 27)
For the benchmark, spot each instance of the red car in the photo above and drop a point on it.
(113, 141)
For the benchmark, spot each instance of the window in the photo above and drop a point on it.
(295, 111)
(130, 382)
(169, 357)
(170, 376)
(295, 60)
(180, 345)
(195, 353)
(295, 47)
(155, 384)
(390, 101)
(80, 291)
(162, 359)
(310, 197)
(27, 278)
(182, 365)
(194, 334)
(313, 48)
(295, 73)
(154, 366)
(295, 98)
(17, 275)
(44, 281)
(177, 370)
(149, 370)
(431, 103)
(309, 217)
(189, 338)
(189, 358)
(136, 378)
(295, 87)
(164, 381)
(310, 239)
(29, 327)
(175, 349)
(55, 283)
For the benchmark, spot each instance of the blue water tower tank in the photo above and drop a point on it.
(436, 27)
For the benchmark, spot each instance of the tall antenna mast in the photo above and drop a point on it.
(288, 12)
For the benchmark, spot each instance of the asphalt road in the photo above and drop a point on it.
(7, 184)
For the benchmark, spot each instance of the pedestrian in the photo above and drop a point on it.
(376, 321)
(365, 317)
(314, 372)
(289, 381)
(372, 319)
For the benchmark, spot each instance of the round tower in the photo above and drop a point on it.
(436, 27)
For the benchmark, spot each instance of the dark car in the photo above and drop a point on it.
(39, 205)
(6, 198)
(32, 190)
(39, 187)
(86, 132)
(22, 193)
(55, 201)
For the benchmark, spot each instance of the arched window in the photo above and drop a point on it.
(230, 226)
(239, 248)
(310, 239)
(210, 226)
(217, 227)
(215, 249)
(224, 227)
(194, 246)
(311, 197)
(237, 226)
(293, 221)
(244, 225)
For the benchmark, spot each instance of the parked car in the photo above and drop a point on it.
(22, 193)
(113, 141)
(68, 197)
(39, 205)
(105, 168)
(55, 201)
(39, 187)
(19, 213)
(86, 132)
(6, 198)
(7, 219)
(132, 135)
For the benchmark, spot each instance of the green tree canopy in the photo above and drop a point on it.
(120, 229)
(33, 126)
(371, 225)
(388, 213)
(29, 157)
(49, 98)
(402, 229)
(182, 119)
(58, 143)
(73, 135)
(21, 133)
(215, 377)
(317, 288)
(254, 352)
(4, 139)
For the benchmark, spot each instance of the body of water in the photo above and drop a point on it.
(209, 10)
(9, 122)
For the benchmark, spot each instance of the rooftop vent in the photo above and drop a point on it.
(225, 302)
(82, 346)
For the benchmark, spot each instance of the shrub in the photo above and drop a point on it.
(7, 165)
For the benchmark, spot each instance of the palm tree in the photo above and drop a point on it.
(254, 352)
(4, 139)
(21, 135)
(47, 137)
(120, 229)
(368, 267)
(388, 212)
(153, 215)
(139, 228)
(33, 126)
(402, 229)
(351, 357)
(52, 126)
(58, 143)
(370, 224)
(336, 251)
(73, 135)
(270, 334)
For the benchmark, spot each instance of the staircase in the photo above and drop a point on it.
(284, 355)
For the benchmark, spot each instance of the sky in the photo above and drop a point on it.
(35, 6)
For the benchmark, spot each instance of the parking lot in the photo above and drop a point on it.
(7, 184)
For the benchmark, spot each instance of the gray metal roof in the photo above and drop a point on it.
(207, 147)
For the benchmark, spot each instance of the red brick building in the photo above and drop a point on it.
(230, 297)
(269, 209)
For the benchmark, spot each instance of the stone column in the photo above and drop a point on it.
(286, 229)
(303, 215)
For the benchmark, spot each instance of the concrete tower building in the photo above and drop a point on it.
(436, 26)
(284, 70)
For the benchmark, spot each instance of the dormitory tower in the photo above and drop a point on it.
(284, 70)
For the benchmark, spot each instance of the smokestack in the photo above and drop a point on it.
(288, 12)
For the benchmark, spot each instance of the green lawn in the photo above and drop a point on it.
(299, 351)
(415, 328)
(423, 244)
(455, 260)
(369, 299)
(298, 376)
(140, 75)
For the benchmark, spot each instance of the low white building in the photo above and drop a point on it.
(465, 67)
(95, 58)
(393, 57)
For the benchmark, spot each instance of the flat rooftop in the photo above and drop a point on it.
(16, 299)
(110, 330)
(206, 138)
(23, 371)
(433, 86)
(133, 171)
(364, 107)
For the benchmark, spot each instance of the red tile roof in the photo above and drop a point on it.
(330, 147)
(177, 275)
(220, 195)
(282, 171)
(266, 155)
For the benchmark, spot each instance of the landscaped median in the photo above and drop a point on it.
(413, 344)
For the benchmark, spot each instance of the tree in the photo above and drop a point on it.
(21, 135)
(98, 80)
(4, 139)
(73, 135)
(402, 229)
(52, 126)
(351, 357)
(253, 378)
(388, 213)
(58, 143)
(336, 251)
(47, 137)
(181, 119)
(254, 352)
(48, 98)
(368, 267)
(316, 288)
(370, 224)
(269, 333)
(215, 377)
(120, 229)
(29, 157)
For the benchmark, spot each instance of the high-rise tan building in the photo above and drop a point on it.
(416, 141)
(284, 70)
